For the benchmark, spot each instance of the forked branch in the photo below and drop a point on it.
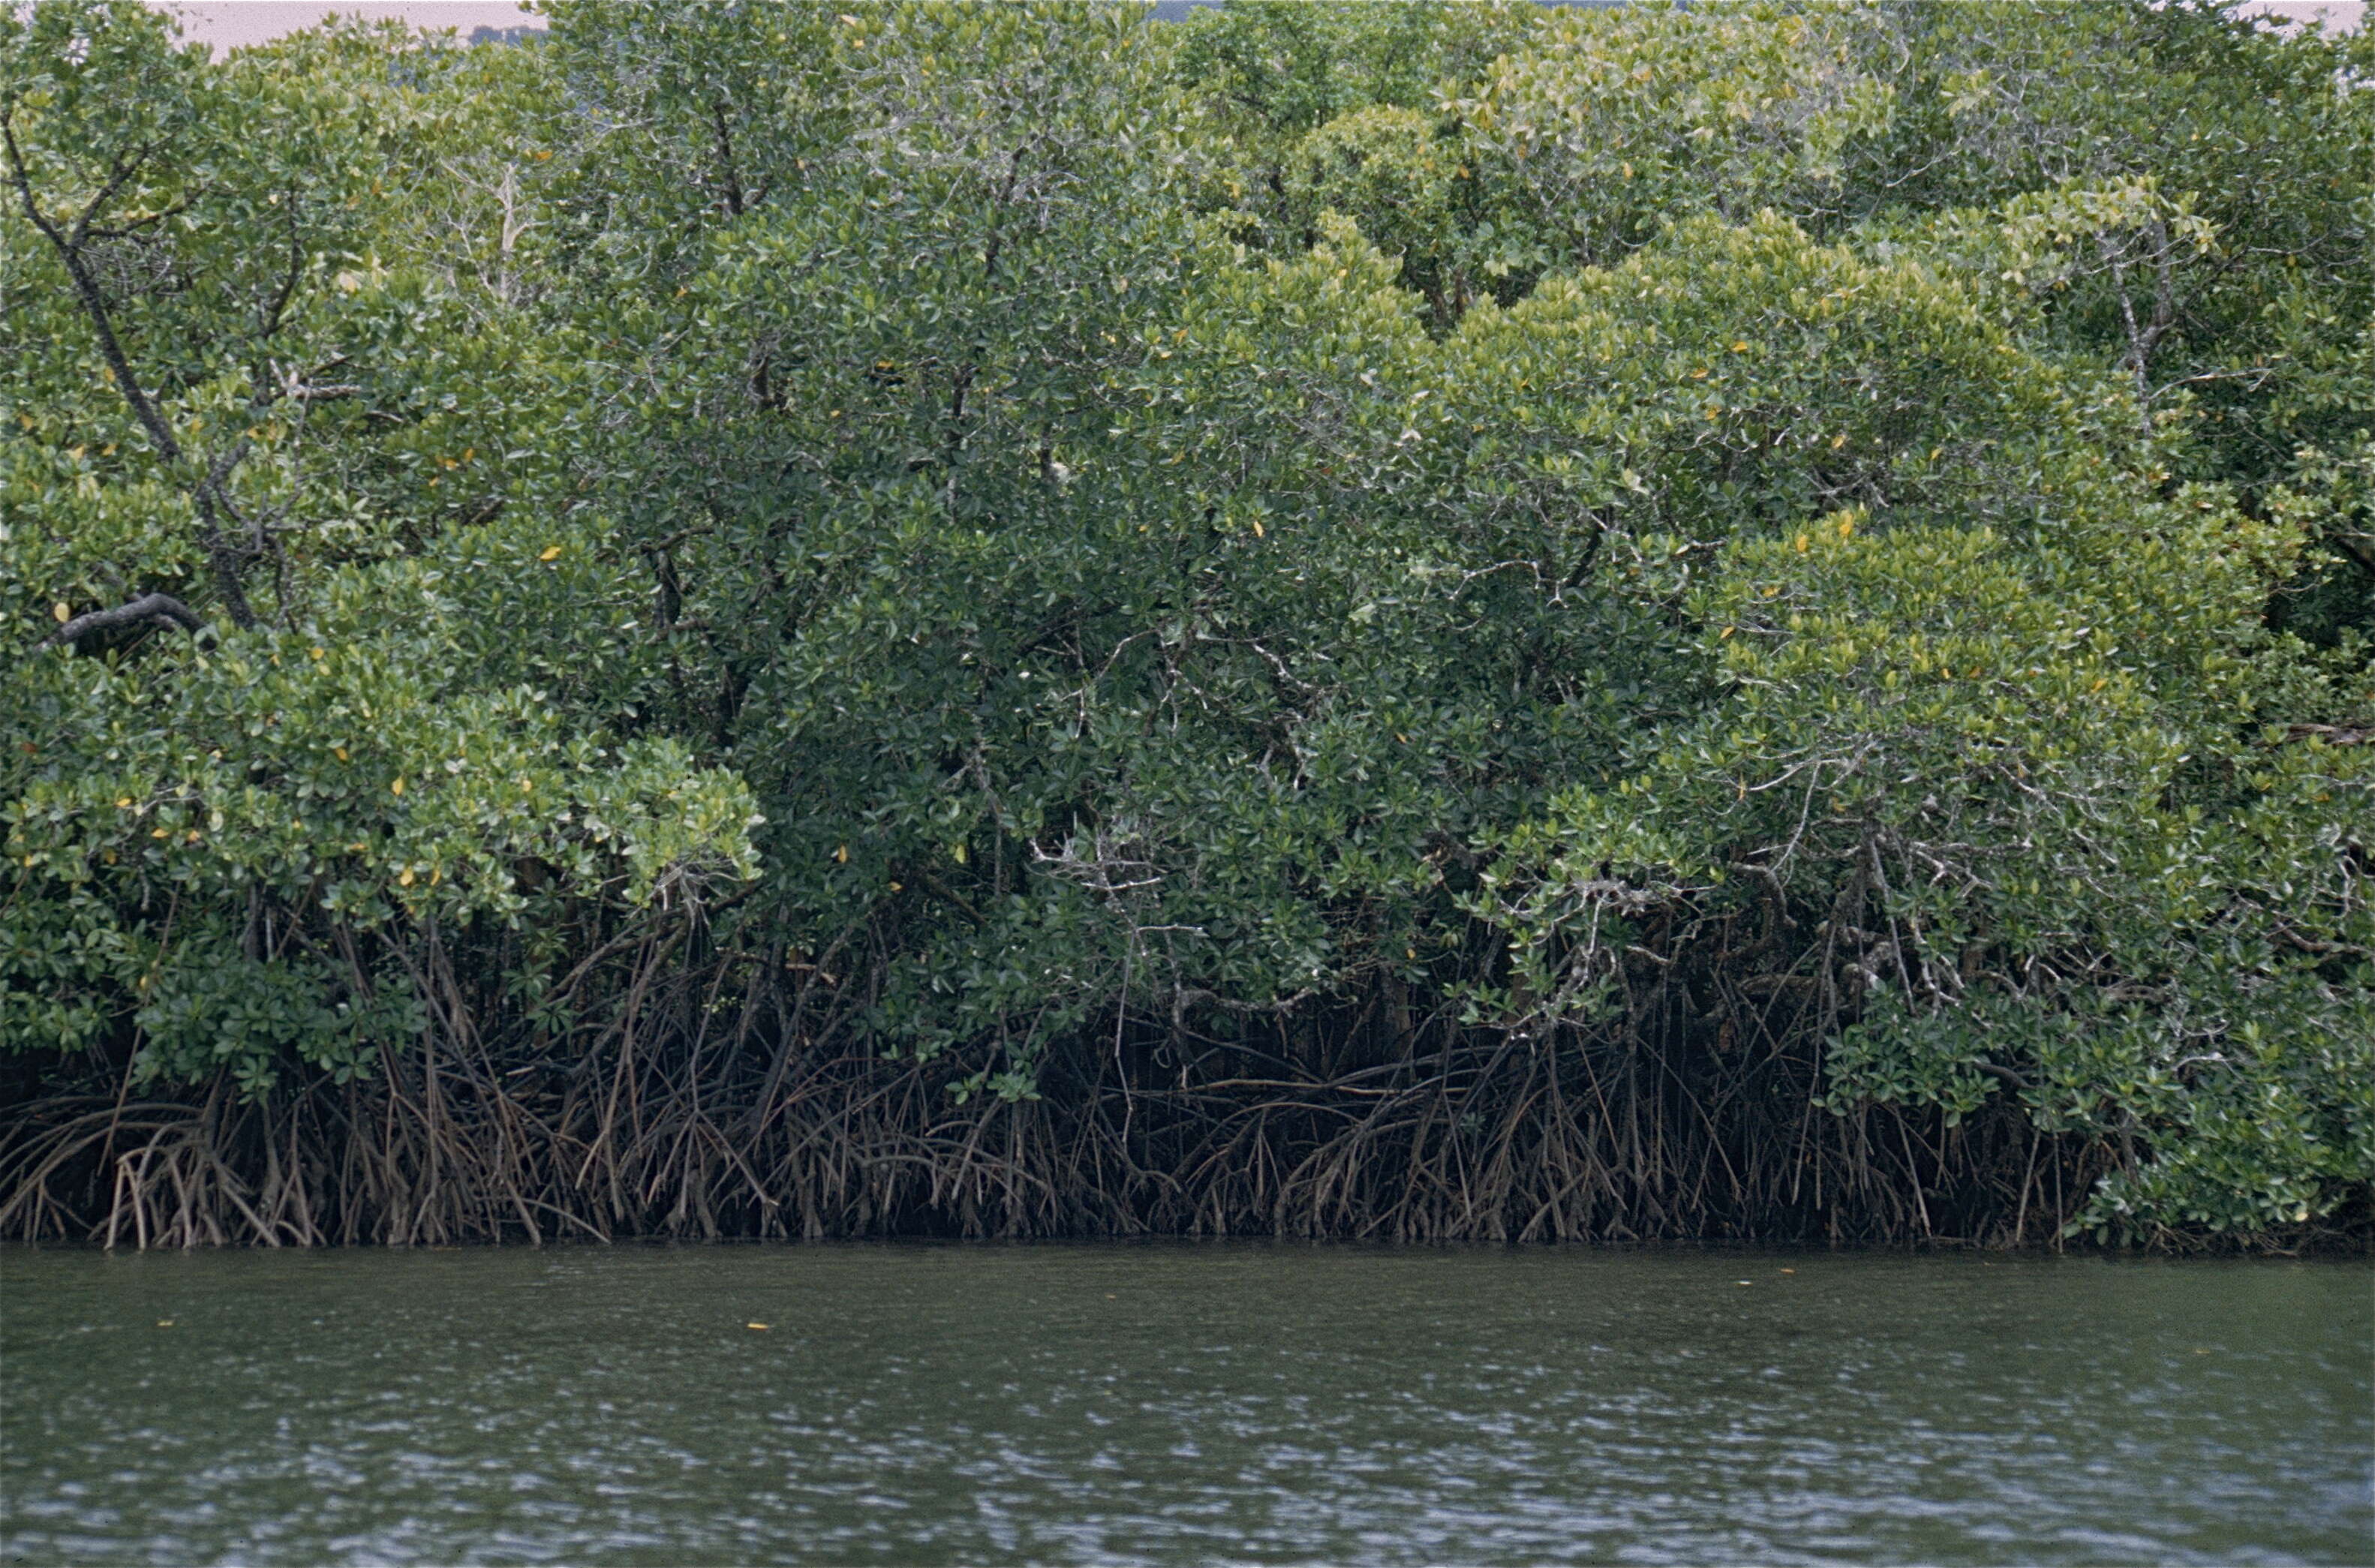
(147, 608)
(213, 505)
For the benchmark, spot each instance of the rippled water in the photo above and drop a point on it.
(1172, 1403)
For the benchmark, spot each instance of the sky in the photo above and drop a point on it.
(227, 24)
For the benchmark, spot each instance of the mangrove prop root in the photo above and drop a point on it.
(1476, 1139)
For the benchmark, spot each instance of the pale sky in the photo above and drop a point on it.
(227, 24)
(2340, 15)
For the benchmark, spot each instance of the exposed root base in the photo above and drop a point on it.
(1505, 1141)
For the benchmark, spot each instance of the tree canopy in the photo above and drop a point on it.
(1431, 620)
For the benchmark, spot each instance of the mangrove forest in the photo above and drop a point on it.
(1747, 620)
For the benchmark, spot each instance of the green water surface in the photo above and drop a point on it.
(1175, 1403)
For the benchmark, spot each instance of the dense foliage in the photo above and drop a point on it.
(1421, 620)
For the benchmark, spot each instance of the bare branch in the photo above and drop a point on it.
(148, 607)
(1186, 997)
(222, 556)
(269, 318)
(69, 250)
(727, 171)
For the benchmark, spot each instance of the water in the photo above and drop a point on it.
(1177, 1403)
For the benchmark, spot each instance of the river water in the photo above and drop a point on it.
(1172, 1403)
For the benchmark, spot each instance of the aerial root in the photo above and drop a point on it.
(1474, 1141)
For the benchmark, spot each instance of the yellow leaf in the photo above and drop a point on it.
(122, 801)
(341, 751)
(61, 614)
(842, 854)
(404, 878)
(395, 789)
(155, 834)
(1257, 530)
(1725, 633)
(550, 552)
(1839, 440)
(318, 653)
